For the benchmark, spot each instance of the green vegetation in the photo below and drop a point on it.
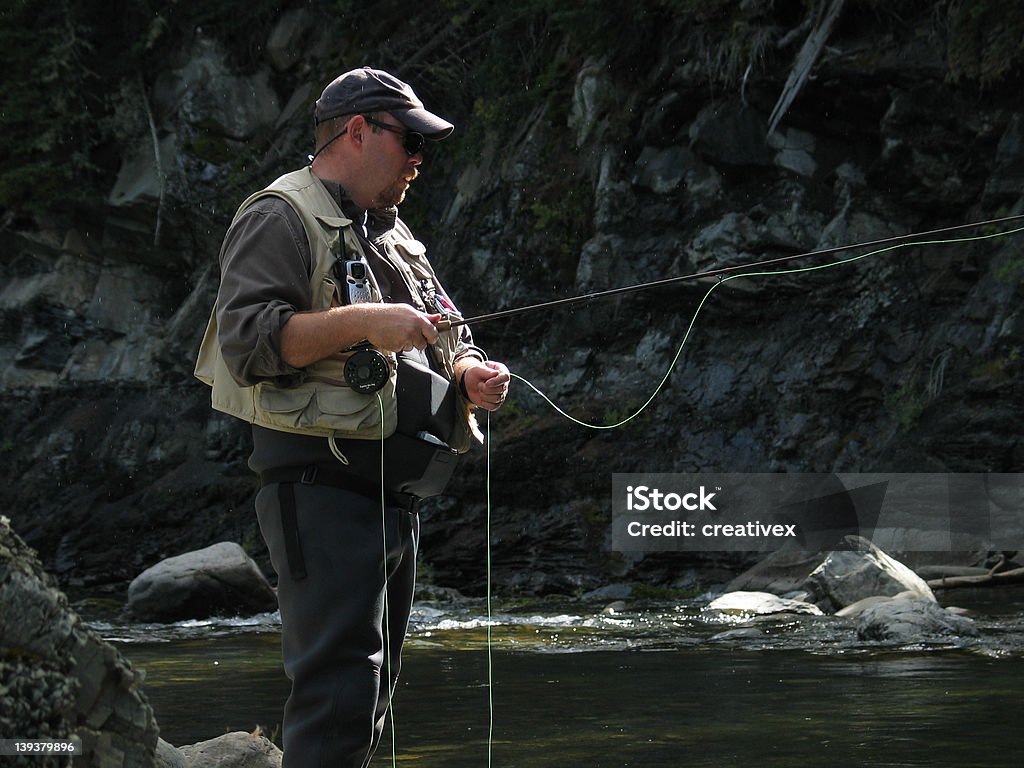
(76, 71)
(44, 53)
(998, 370)
(986, 40)
(1010, 267)
(906, 403)
(71, 93)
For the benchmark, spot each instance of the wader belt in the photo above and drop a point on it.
(315, 474)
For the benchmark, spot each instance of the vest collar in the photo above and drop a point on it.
(375, 223)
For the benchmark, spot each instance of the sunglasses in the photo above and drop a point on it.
(412, 142)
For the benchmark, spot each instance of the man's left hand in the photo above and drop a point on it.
(486, 384)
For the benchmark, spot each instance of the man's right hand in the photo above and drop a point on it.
(400, 328)
(310, 336)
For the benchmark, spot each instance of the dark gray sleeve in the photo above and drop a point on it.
(467, 348)
(265, 266)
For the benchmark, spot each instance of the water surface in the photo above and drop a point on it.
(655, 684)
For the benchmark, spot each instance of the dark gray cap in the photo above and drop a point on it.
(373, 90)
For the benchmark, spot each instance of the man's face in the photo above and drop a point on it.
(395, 168)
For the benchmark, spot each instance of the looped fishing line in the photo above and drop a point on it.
(671, 367)
(726, 278)
(657, 390)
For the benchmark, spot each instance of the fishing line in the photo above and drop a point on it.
(387, 610)
(718, 271)
(725, 279)
(722, 278)
(490, 658)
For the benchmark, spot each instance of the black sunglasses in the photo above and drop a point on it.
(412, 142)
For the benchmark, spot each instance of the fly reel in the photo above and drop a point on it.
(367, 370)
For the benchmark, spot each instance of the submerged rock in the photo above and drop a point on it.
(743, 633)
(218, 580)
(908, 619)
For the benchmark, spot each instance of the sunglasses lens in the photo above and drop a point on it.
(413, 142)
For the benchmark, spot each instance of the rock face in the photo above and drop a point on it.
(220, 580)
(59, 679)
(574, 170)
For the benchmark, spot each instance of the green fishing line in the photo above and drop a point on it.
(721, 280)
(725, 279)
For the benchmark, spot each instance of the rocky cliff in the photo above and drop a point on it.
(592, 151)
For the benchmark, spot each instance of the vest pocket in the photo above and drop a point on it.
(342, 401)
(319, 408)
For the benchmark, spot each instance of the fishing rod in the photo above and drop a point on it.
(443, 325)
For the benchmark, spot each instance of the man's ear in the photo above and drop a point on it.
(356, 129)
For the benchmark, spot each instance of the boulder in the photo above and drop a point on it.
(661, 170)
(794, 150)
(759, 604)
(59, 678)
(218, 580)
(169, 756)
(664, 170)
(729, 133)
(234, 750)
(907, 619)
(858, 571)
(854, 610)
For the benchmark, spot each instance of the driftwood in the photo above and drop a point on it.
(157, 160)
(805, 59)
(1014, 576)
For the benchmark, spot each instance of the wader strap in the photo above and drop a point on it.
(290, 529)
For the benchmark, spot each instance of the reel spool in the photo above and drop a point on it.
(366, 371)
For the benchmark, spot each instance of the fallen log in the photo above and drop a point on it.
(1014, 576)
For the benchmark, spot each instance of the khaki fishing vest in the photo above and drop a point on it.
(323, 404)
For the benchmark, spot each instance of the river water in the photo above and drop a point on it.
(653, 684)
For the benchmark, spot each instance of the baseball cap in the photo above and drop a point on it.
(373, 90)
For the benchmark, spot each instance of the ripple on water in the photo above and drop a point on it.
(550, 626)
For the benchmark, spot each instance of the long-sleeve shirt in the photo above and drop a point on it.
(266, 263)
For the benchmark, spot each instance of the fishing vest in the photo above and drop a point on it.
(323, 404)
